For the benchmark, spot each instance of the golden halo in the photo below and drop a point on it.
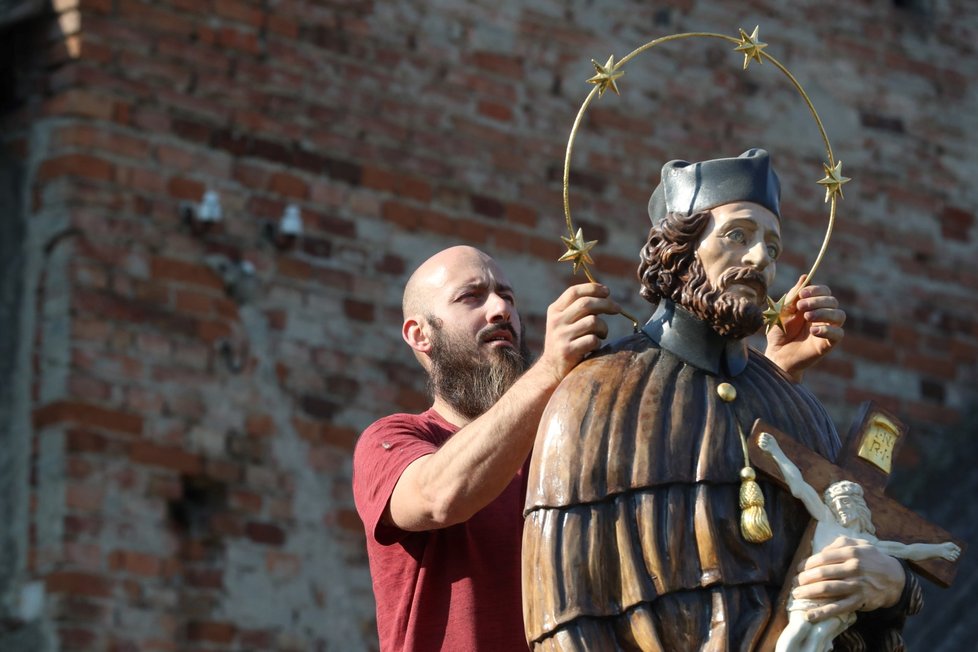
(607, 76)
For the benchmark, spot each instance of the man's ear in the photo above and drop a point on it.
(416, 335)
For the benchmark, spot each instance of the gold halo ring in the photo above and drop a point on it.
(607, 76)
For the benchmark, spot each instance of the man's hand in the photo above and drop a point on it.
(574, 328)
(813, 326)
(850, 575)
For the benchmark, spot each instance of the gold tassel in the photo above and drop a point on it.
(753, 520)
(754, 525)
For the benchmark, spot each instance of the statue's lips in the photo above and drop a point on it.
(757, 289)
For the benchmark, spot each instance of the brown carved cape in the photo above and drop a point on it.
(631, 538)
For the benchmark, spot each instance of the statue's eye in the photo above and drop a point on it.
(737, 235)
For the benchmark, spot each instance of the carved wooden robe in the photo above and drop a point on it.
(631, 537)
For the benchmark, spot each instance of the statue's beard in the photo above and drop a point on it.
(730, 316)
(472, 376)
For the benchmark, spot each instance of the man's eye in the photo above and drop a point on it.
(773, 252)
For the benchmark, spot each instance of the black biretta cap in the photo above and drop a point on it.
(693, 187)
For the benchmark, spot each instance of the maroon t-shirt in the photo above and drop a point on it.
(455, 589)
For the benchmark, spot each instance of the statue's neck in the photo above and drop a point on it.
(693, 340)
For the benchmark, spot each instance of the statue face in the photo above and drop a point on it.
(845, 509)
(741, 235)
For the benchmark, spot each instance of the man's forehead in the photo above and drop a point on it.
(485, 278)
(468, 271)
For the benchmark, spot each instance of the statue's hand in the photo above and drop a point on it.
(812, 328)
(950, 551)
(767, 443)
(849, 575)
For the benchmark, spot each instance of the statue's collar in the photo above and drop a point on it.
(676, 330)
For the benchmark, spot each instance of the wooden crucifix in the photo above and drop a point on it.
(867, 459)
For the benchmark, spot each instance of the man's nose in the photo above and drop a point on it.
(497, 308)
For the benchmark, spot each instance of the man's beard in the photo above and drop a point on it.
(730, 316)
(466, 377)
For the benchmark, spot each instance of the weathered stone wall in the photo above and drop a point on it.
(189, 469)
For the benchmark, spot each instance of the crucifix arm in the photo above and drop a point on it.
(793, 478)
(920, 551)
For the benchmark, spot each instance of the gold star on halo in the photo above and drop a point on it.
(833, 180)
(606, 76)
(773, 316)
(750, 46)
(577, 250)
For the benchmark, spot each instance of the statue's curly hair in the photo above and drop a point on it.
(667, 256)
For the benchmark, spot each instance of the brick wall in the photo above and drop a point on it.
(189, 453)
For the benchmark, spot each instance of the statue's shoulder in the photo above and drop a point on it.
(604, 367)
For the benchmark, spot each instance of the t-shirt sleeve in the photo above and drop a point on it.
(382, 453)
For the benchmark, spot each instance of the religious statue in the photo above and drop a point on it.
(843, 513)
(643, 526)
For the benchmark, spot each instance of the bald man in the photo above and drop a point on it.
(441, 493)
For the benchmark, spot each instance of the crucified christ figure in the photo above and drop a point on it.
(841, 512)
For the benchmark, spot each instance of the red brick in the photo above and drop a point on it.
(204, 578)
(194, 303)
(85, 441)
(84, 497)
(81, 102)
(170, 269)
(77, 638)
(406, 217)
(246, 501)
(358, 310)
(288, 185)
(521, 215)
(501, 64)
(97, 6)
(250, 176)
(471, 231)
(282, 565)
(398, 184)
(266, 533)
(187, 189)
(211, 330)
(257, 639)
(78, 583)
(135, 563)
(170, 457)
(411, 400)
(239, 11)
(236, 39)
(511, 240)
(934, 366)
(347, 519)
(212, 632)
(259, 425)
(956, 223)
(87, 415)
(162, 20)
(277, 319)
(340, 437)
(294, 268)
(76, 165)
(496, 111)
